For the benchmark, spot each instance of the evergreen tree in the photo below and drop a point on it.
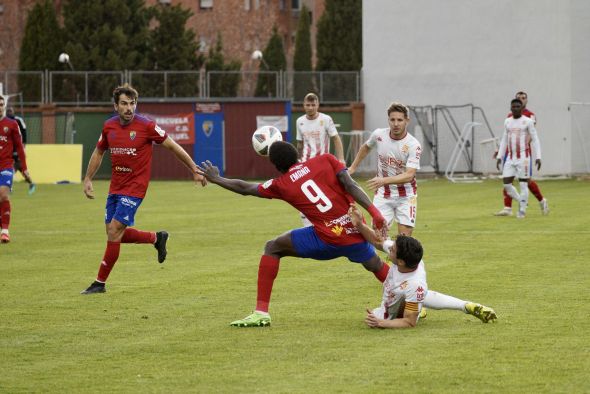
(106, 35)
(303, 78)
(222, 84)
(39, 50)
(273, 60)
(302, 56)
(175, 48)
(339, 38)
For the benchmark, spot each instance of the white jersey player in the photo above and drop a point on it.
(315, 130)
(405, 289)
(397, 162)
(518, 138)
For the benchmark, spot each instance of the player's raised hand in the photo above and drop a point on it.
(208, 169)
(498, 162)
(538, 163)
(88, 190)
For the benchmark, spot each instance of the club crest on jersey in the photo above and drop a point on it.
(132, 135)
(5, 129)
(207, 127)
(405, 148)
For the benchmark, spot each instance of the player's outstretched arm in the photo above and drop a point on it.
(361, 197)
(184, 157)
(93, 166)
(211, 172)
(407, 176)
(367, 232)
(409, 320)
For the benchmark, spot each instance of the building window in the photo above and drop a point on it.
(247, 5)
(205, 4)
(295, 4)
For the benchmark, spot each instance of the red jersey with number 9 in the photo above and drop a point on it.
(313, 189)
(130, 147)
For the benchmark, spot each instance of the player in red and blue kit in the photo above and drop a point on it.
(322, 190)
(128, 138)
(10, 139)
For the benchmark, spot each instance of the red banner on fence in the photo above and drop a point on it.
(180, 127)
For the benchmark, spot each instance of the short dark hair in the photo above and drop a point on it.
(125, 89)
(409, 250)
(516, 101)
(283, 155)
(521, 93)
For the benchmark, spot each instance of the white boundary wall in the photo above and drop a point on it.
(428, 52)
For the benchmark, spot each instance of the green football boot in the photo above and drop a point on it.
(482, 312)
(256, 319)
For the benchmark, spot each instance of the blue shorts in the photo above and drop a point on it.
(307, 244)
(121, 208)
(6, 177)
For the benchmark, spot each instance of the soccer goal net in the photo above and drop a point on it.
(580, 120)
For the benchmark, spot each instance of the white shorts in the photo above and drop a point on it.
(520, 168)
(401, 209)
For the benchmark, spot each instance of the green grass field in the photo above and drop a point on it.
(164, 328)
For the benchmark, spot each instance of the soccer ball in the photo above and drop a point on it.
(264, 137)
(64, 58)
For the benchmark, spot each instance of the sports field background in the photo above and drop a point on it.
(164, 328)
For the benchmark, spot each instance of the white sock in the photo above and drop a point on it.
(524, 195)
(511, 190)
(436, 300)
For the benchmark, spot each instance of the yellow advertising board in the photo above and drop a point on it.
(53, 163)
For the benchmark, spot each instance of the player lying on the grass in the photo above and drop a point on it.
(322, 190)
(405, 291)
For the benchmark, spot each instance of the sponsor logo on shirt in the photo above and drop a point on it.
(339, 225)
(420, 294)
(123, 151)
(337, 230)
(122, 169)
(132, 135)
(3, 138)
(391, 161)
